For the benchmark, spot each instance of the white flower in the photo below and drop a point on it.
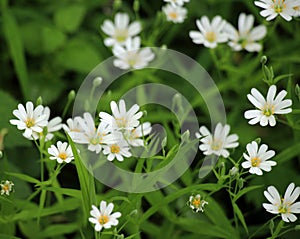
(121, 119)
(73, 125)
(286, 206)
(273, 8)
(133, 137)
(210, 34)
(117, 150)
(196, 203)
(267, 108)
(90, 135)
(6, 187)
(120, 31)
(219, 142)
(31, 119)
(131, 56)
(177, 2)
(175, 13)
(103, 218)
(257, 158)
(246, 36)
(62, 152)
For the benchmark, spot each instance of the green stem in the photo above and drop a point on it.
(216, 62)
(261, 227)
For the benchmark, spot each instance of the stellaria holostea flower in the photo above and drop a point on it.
(268, 107)
(104, 218)
(120, 31)
(285, 206)
(257, 158)
(219, 142)
(246, 36)
(210, 33)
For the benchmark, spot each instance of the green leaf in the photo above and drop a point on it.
(3, 236)
(78, 55)
(288, 153)
(86, 181)
(244, 191)
(53, 38)
(66, 191)
(23, 177)
(70, 17)
(15, 44)
(56, 230)
(240, 215)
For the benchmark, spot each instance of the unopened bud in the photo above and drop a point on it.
(136, 5)
(97, 81)
(71, 95)
(117, 4)
(39, 100)
(263, 60)
(297, 91)
(185, 137)
(234, 171)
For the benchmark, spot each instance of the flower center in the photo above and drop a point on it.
(5, 188)
(196, 202)
(121, 122)
(268, 110)
(173, 15)
(121, 35)
(279, 5)
(255, 162)
(115, 149)
(29, 122)
(216, 145)
(63, 156)
(210, 36)
(284, 208)
(103, 219)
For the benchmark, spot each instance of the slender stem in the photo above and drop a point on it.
(215, 60)
(261, 227)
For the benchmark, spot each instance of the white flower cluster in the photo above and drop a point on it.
(217, 31)
(115, 133)
(123, 39)
(35, 121)
(174, 10)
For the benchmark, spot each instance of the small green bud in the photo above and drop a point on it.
(39, 100)
(71, 95)
(233, 171)
(297, 91)
(117, 4)
(136, 5)
(258, 140)
(97, 81)
(263, 60)
(185, 137)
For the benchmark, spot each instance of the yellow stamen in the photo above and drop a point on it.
(121, 35)
(255, 162)
(173, 15)
(210, 36)
(268, 110)
(29, 122)
(196, 202)
(115, 149)
(63, 156)
(103, 219)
